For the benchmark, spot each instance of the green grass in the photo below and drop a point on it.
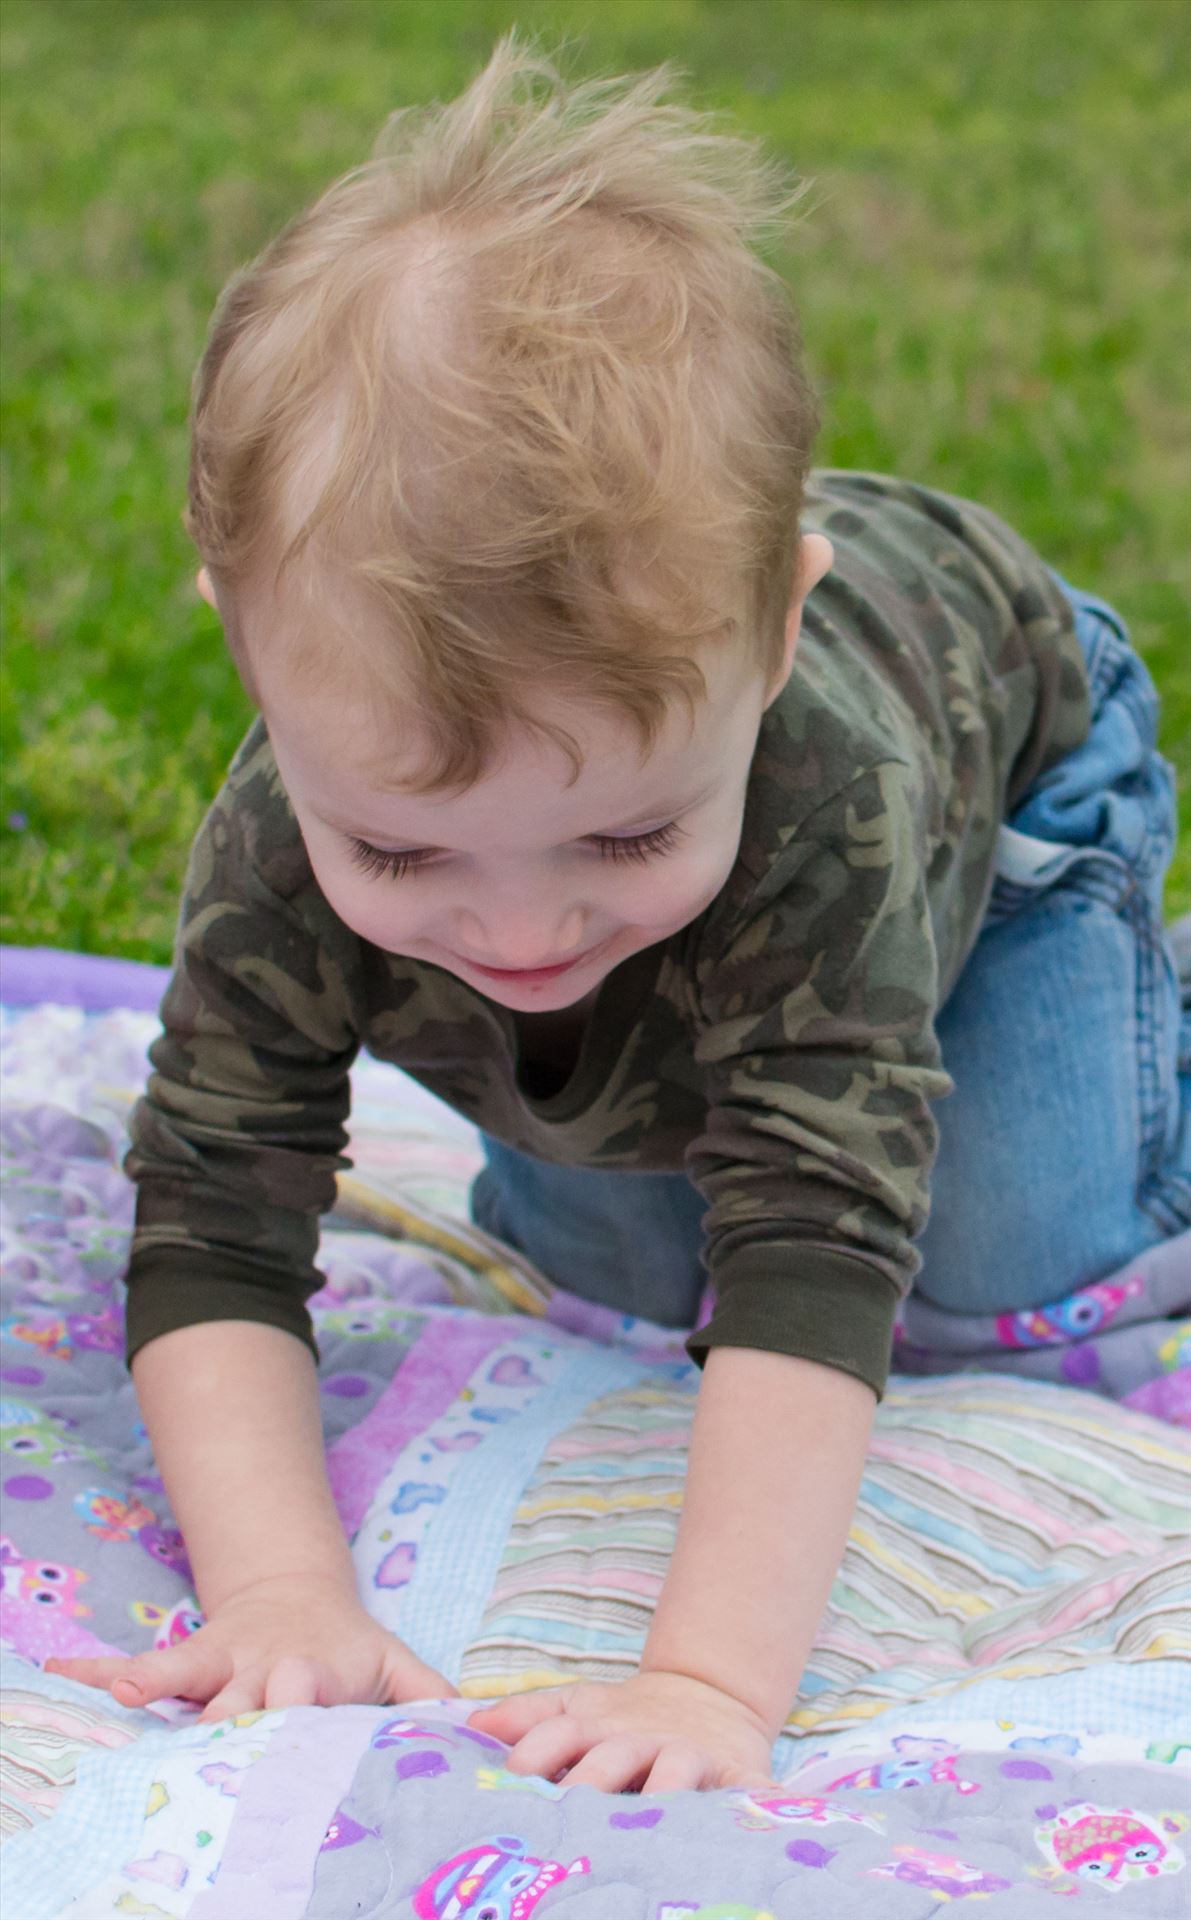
(993, 277)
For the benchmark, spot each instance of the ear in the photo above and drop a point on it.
(815, 557)
(202, 581)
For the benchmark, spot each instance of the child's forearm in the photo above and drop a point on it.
(232, 1411)
(776, 1457)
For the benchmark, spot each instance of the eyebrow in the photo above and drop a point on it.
(660, 814)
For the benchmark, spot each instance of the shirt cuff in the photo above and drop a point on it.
(171, 1287)
(810, 1302)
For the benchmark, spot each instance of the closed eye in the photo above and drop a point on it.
(376, 861)
(382, 863)
(639, 846)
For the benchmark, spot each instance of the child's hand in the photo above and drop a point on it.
(284, 1642)
(657, 1730)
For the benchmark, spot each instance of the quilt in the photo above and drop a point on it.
(997, 1709)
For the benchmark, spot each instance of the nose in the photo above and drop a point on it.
(522, 935)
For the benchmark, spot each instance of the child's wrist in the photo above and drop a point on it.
(767, 1715)
(312, 1581)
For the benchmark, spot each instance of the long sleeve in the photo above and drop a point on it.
(237, 1139)
(819, 1048)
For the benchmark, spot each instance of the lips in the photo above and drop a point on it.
(527, 973)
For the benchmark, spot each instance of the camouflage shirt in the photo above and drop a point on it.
(780, 1048)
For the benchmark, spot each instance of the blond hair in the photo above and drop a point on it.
(521, 386)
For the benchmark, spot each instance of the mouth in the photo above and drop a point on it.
(515, 976)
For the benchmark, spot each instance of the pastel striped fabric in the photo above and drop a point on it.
(1002, 1532)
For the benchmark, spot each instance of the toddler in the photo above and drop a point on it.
(689, 820)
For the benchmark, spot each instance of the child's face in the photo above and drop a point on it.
(524, 872)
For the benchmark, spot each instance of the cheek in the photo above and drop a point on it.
(668, 893)
(380, 911)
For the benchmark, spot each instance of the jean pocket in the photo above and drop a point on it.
(1027, 867)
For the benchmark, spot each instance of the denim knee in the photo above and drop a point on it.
(1066, 1147)
(631, 1241)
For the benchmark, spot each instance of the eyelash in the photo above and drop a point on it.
(640, 847)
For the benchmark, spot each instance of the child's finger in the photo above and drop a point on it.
(511, 1718)
(678, 1766)
(408, 1678)
(616, 1763)
(294, 1682)
(193, 1670)
(94, 1671)
(239, 1696)
(550, 1745)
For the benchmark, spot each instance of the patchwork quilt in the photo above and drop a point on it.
(998, 1707)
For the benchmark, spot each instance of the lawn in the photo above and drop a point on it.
(993, 275)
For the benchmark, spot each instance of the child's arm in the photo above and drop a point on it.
(776, 1457)
(232, 1410)
(777, 1452)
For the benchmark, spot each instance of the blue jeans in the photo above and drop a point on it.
(1065, 1149)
